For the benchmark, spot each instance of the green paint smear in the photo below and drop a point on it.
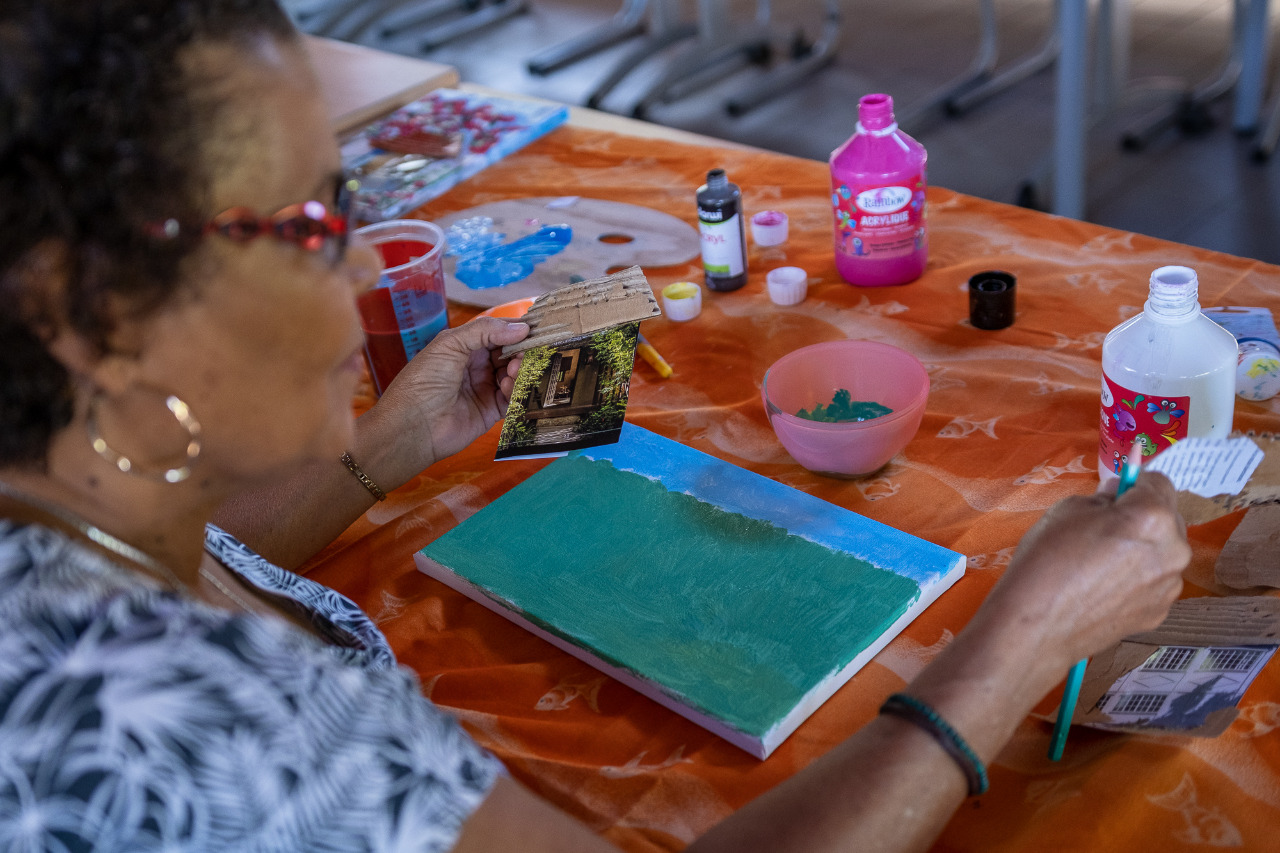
(730, 615)
(843, 409)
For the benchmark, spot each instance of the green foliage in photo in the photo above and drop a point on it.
(516, 431)
(606, 417)
(615, 348)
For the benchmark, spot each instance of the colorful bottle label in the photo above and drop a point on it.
(722, 246)
(1129, 416)
(879, 222)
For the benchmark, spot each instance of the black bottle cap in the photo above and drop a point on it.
(991, 299)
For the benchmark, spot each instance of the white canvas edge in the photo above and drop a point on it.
(759, 747)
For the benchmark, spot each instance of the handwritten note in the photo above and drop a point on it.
(1209, 466)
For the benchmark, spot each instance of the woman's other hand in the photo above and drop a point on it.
(1095, 569)
(449, 394)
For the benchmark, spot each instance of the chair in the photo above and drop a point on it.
(351, 19)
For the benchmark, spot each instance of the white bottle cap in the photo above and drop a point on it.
(682, 301)
(769, 228)
(1258, 371)
(787, 285)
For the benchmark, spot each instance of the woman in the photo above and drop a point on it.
(179, 342)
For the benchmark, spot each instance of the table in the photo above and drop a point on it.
(1011, 426)
(585, 117)
(360, 84)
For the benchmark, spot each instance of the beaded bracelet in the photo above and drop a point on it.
(920, 714)
(363, 477)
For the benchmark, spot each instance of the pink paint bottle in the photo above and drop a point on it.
(877, 196)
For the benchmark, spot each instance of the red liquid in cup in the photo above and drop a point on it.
(397, 252)
(420, 299)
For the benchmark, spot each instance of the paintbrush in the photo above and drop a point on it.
(1070, 693)
(651, 355)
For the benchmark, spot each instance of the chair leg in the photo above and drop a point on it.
(329, 23)
(627, 23)
(377, 13)
(660, 40)
(1265, 145)
(1026, 68)
(980, 69)
(1189, 109)
(805, 62)
(483, 17)
(693, 69)
(1253, 57)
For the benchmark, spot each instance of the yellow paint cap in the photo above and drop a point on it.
(682, 301)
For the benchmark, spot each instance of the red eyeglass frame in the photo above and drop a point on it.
(310, 225)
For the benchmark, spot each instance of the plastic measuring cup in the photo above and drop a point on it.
(406, 309)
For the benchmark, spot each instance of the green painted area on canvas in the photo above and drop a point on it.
(735, 616)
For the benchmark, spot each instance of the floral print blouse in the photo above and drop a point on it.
(132, 718)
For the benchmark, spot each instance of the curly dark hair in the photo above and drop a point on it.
(100, 134)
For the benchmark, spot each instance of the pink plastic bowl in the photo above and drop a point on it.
(872, 372)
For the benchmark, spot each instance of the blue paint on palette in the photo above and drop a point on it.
(688, 471)
(484, 261)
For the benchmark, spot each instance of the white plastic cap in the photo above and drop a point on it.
(787, 285)
(682, 301)
(769, 228)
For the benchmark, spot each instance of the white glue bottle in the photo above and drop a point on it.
(1167, 374)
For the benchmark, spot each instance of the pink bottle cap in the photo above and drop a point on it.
(769, 228)
(875, 112)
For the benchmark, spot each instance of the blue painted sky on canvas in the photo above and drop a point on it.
(683, 469)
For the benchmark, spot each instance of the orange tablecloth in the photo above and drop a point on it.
(1011, 426)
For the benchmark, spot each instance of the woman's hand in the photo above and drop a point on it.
(448, 395)
(1096, 569)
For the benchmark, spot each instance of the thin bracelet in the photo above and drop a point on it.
(363, 477)
(914, 711)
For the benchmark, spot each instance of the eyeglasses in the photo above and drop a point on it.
(312, 226)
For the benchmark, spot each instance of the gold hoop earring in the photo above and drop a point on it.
(180, 411)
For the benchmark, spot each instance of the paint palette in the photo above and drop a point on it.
(518, 248)
(740, 604)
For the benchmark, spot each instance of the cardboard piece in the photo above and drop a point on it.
(587, 307)
(1251, 557)
(1186, 676)
(1263, 487)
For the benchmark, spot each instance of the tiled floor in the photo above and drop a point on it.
(1205, 189)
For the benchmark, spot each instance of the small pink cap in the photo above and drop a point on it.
(769, 228)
